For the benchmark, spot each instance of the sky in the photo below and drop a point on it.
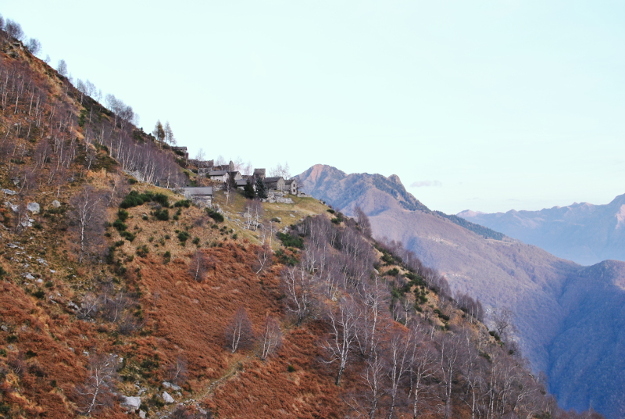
(486, 105)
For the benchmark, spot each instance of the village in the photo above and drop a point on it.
(213, 177)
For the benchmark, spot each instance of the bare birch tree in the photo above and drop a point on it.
(271, 338)
(88, 218)
(342, 320)
(239, 333)
(98, 390)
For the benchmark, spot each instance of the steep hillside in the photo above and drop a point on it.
(584, 233)
(541, 290)
(123, 299)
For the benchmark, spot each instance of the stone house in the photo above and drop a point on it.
(202, 196)
(218, 175)
(275, 183)
(291, 186)
(259, 173)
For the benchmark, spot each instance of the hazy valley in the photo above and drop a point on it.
(584, 233)
(567, 315)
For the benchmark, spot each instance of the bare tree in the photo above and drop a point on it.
(299, 287)
(200, 156)
(169, 134)
(61, 68)
(34, 46)
(271, 339)
(342, 320)
(373, 376)
(363, 221)
(503, 321)
(88, 217)
(98, 390)
(177, 371)
(14, 29)
(264, 258)
(239, 333)
(423, 365)
(398, 355)
(198, 265)
(281, 171)
(253, 213)
(371, 294)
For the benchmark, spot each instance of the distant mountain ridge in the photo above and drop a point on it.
(582, 232)
(568, 316)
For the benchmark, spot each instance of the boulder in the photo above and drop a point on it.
(172, 386)
(33, 207)
(131, 403)
(56, 204)
(167, 398)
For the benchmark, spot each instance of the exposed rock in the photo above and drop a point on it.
(9, 192)
(172, 386)
(131, 403)
(33, 207)
(56, 204)
(11, 206)
(28, 276)
(142, 414)
(167, 398)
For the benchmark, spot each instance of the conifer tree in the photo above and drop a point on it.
(261, 188)
(248, 190)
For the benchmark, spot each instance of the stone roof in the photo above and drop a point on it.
(198, 191)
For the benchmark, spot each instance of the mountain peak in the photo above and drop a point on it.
(395, 179)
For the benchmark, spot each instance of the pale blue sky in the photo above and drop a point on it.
(494, 104)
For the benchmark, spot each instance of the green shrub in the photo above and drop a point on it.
(142, 251)
(134, 199)
(392, 272)
(215, 215)
(289, 240)
(39, 294)
(183, 236)
(127, 235)
(119, 225)
(162, 214)
(122, 214)
(186, 203)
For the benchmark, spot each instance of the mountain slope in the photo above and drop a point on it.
(584, 233)
(120, 299)
(543, 291)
